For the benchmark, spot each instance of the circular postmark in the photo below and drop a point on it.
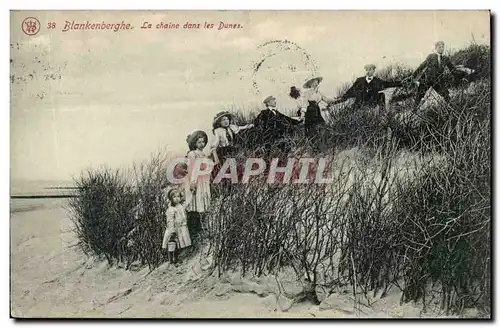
(30, 26)
(281, 62)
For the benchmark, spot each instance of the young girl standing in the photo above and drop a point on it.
(224, 146)
(199, 186)
(176, 234)
(225, 132)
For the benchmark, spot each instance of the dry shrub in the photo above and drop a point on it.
(102, 212)
(121, 215)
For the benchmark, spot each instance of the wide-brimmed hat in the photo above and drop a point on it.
(220, 115)
(307, 85)
(180, 169)
(194, 136)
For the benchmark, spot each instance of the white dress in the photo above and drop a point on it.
(177, 222)
(201, 197)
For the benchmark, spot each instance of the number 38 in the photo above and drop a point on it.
(51, 25)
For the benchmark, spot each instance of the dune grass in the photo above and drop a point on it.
(424, 229)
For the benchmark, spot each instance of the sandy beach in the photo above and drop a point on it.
(50, 278)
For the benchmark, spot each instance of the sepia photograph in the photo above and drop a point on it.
(271, 164)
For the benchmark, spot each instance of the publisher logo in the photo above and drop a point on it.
(30, 26)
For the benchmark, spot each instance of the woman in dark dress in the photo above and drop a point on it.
(313, 116)
(309, 101)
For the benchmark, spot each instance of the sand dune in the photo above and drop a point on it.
(50, 278)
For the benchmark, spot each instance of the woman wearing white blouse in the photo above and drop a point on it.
(309, 106)
(313, 96)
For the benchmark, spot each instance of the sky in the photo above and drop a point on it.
(84, 99)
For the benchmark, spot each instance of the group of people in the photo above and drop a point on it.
(187, 206)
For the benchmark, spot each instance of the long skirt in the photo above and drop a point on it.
(313, 123)
(194, 224)
(223, 153)
(201, 196)
(312, 118)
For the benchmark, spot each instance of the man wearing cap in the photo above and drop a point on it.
(431, 72)
(273, 125)
(367, 89)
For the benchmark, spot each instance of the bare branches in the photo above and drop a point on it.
(421, 225)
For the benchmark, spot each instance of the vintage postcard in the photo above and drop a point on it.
(250, 164)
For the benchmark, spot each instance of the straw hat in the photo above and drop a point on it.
(220, 115)
(307, 85)
(194, 136)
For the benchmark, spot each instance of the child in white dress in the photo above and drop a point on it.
(199, 185)
(176, 234)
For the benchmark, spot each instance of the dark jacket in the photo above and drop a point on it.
(432, 70)
(272, 125)
(368, 93)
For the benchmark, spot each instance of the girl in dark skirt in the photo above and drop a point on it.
(313, 119)
(224, 146)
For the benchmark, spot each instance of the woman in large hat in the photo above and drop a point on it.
(313, 119)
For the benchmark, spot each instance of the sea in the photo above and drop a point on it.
(29, 195)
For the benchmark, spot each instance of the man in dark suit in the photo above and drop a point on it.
(367, 89)
(273, 126)
(430, 74)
